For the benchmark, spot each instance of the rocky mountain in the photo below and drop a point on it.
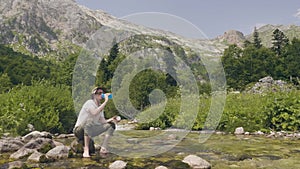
(232, 37)
(265, 34)
(58, 28)
(44, 27)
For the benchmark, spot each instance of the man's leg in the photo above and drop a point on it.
(86, 152)
(104, 144)
(110, 128)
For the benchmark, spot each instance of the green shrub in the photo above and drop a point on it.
(253, 112)
(46, 107)
(283, 111)
(243, 110)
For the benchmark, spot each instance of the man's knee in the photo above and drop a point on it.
(79, 133)
(113, 125)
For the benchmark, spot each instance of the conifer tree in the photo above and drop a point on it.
(256, 39)
(279, 41)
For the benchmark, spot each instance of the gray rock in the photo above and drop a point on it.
(119, 164)
(239, 131)
(161, 167)
(30, 127)
(22, 153)
(56, 143)
(35, 135)
(35, 157)
(196, 162)
(77, 146)
(10, 144)
(15, 164)
(39, 143)
(267, 79)
(59, 152)
(259, 133)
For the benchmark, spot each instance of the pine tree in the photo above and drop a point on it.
(256, 40)
(279, 41)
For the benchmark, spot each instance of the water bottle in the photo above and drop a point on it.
(109, 96)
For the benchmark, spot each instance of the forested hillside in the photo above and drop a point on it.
(254, 61)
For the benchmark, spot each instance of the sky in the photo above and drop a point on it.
(210, 17)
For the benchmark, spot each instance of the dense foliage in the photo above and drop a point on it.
(16, 68)
(38, 91)
(270, 111)
(43, 105)
(253, 62)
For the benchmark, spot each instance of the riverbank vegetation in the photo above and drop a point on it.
(38, 91)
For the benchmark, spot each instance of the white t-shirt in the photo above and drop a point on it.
(85, 113)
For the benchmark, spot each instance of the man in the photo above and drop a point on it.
(91, 121)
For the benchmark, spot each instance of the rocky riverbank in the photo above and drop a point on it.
(239, 150)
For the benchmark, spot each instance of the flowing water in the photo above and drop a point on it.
(221, 151)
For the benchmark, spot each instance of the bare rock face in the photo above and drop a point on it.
(44, 26)
(232, 37)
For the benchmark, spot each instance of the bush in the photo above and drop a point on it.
(283, 111)
(243, 110)
(46, 107)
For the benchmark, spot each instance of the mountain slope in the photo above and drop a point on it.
(266, 33)
(58, 28)
(45, 27)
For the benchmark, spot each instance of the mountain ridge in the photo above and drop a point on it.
(60, 28)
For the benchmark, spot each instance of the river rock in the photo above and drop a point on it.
(14, 164)
(161, 167)
(35, 157)
(36, 134)
(259, 133)
(119, 164)
(22, 153)
(239, 131)
(77, 146)
(39, 143)
(10, 144)
(196, 162)
(59, 152)
(267, 79)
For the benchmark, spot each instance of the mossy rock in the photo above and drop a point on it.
(44, 159)
(45, 148)
(176, 164)
(77, 146)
